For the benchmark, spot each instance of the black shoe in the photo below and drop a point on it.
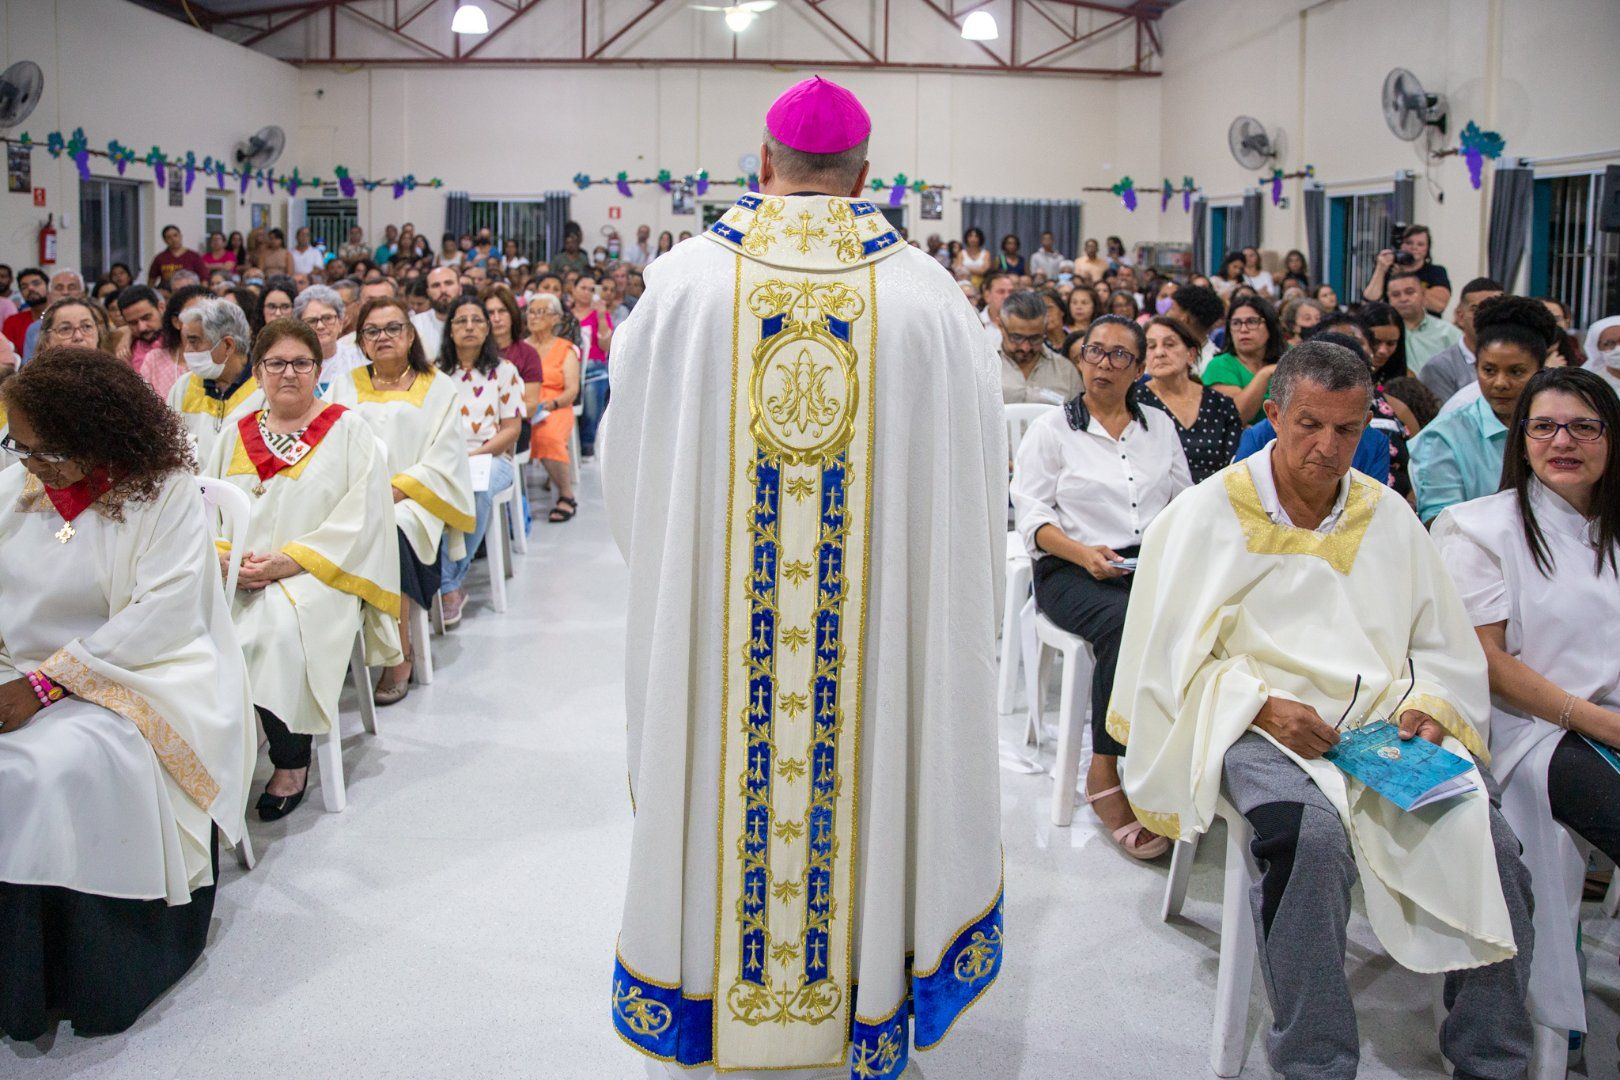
(274, 807)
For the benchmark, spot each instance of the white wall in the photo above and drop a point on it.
(1541, 72)
(984, 135)
(122, 72)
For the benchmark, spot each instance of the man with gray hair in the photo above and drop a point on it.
(1279, 606)
(65, 285)
(1031, 372)
(220, 389)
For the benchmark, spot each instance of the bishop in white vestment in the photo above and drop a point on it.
(805, 467)
(1252, 630)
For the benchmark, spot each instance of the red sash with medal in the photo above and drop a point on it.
(76, 498)
(265, 461)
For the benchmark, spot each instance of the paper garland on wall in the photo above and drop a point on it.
(699, 182)
(78, 150)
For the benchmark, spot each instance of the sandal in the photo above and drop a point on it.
(393, 693)
(1126, 835)
(560, 513)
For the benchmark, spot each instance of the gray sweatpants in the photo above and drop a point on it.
(1300, 920)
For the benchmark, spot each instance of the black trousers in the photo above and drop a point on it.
(1584, 792)
(287, 750)
(1095, 610)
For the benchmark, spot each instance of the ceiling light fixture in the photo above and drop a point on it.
(470, 19)
(739, 19)
(980, 26)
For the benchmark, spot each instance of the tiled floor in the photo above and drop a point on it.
(457, 920)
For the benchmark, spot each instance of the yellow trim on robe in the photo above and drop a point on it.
(1265, 537)
(1118, 728)
(328, 572)
(433, 504)
(415, 395)
(1450, 719)
(196, 399)
(177, 757)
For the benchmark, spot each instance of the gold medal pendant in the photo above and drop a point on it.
(258, 489)
(65, 533)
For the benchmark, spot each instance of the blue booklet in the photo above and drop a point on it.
(1410, 774)
(1606, 752)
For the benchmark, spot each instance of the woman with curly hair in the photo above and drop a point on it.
(1459, 456)
(322, 533)
(115, 627)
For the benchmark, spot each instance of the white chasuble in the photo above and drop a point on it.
(116, 789)
(804, 464)
(427, 455)
(208, 419)
(1230, 608)
(331, 513)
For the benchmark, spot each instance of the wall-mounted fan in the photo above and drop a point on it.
(261, 149)
(1250, 145)
(20, 87)
(1407, 109)
(739, 16)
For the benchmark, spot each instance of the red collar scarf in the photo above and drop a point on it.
(76, 498)
(268, 464)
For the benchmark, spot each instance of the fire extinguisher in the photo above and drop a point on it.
(47, 242)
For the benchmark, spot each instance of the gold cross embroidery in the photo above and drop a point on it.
(804, 233)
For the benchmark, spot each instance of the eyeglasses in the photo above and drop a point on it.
(321, 320)
(469, 320)
(1394, 716)
(87, 330)
(1117, 357)
(277, 309)
(1251, 322)
(386, 330)
(1542, 428)
(17, 449)
(301, 366)
(1024, 339)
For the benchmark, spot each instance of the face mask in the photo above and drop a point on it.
(1611, 358)
(202, 365)
(1162, 305)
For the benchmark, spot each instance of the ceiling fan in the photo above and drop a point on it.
(739, 16)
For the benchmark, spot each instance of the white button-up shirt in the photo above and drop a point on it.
(1096, 489)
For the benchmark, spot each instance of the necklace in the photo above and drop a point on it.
(378, 379)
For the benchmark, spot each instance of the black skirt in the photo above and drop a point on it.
(94, 961)
(417, 579)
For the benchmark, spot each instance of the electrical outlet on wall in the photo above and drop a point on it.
(65, 220)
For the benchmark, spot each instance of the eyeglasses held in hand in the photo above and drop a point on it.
(1542, 428)
(301, 366)
(386, 330)
(1394, 716)
(17, 449)
(1118, 357)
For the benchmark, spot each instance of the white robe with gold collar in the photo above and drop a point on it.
(115, 790)
(427, 454)
(331, 513)
(1229, 608)
(805, 468)
(207, 419)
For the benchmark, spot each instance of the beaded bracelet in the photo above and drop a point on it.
(1568, 711)
(44, 689)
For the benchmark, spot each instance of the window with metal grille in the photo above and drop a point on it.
(1358, 229)
(329, 221)
(109, 227)
(535, 223)
(1571, 258)
(215, 207)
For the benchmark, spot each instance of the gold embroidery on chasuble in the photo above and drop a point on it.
(798, 529)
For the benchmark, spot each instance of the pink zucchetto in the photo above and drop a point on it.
(818, 117)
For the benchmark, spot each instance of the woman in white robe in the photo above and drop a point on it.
(321, 552)
(414, 410)
(1535, 564)
(113, 624)
(220, 388)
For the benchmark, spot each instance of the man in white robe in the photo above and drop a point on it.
(805, 467)
(1274, 598)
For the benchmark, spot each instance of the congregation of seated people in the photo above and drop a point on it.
(374, 403)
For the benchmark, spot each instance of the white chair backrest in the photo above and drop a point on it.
(233, 507)
(1019, 417)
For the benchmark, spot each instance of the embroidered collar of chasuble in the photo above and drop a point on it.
(798, 526)
(176, 756)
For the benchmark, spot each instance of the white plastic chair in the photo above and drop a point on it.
(516, 518)
(1073, 704)
(234, 508)
(497, 546)
(1019, 569)
(573, 443)
(421, 640)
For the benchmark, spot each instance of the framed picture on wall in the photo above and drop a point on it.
(684, 205)
(259, 215)
(19, 169)
(177, 187)
(933, 205)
